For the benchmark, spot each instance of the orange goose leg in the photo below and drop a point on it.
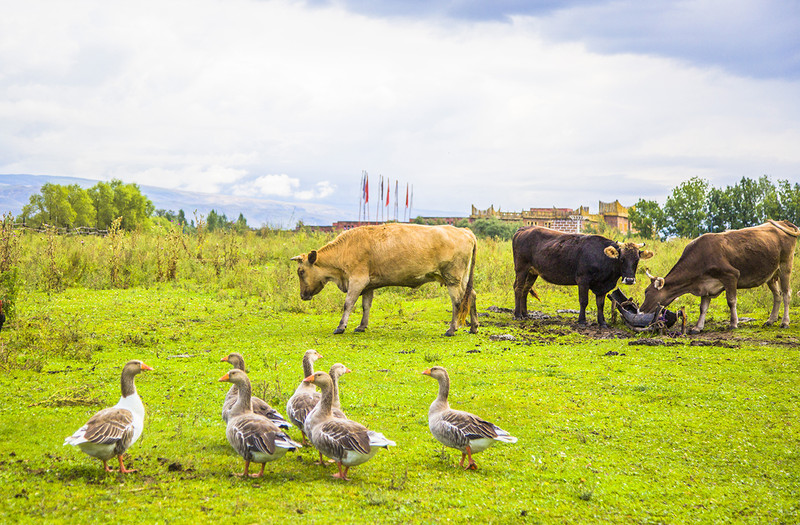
(122, 466)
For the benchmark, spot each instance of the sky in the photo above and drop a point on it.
(510, 103)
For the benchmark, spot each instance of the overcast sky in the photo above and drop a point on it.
(513, 103)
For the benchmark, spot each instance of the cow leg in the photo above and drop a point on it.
(454, 291)
(730, 296)
(583, 300)
(366, 304)
(600, 300)
(353, 292)
(522, 286)
(772, 284)
(705, 301)
(473, 314)
(786, 292)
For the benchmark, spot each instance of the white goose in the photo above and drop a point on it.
(305, 397)
(343, 440)
(253, 436)
(457, 429)
(260, 406)
(111, 431)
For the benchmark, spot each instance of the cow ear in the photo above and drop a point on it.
(312, 256)
(612, 252)
(658, 283)
(645, 254)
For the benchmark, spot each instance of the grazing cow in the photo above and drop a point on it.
(592, 262)
(369, 257)
(729, 261)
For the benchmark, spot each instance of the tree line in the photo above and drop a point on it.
(694, 207)
(71, 206)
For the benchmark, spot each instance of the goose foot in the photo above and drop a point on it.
(122, 467)
(340, 474)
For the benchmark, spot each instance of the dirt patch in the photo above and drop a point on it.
(543, 328)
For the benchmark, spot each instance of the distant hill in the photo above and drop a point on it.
(15, 192)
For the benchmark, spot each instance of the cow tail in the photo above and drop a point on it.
(466, 301)
(795, 233)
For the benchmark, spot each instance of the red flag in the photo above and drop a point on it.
(388, 191)
(406, 195)
(366, 190)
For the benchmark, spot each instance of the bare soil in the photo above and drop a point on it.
(541, 327)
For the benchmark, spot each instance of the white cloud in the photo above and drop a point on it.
(206, 95)
(282, 186)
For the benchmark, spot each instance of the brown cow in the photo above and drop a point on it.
(729, 261)
(369, 257)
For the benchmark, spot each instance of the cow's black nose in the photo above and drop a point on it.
(628, 280)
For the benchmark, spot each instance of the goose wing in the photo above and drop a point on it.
(109, 426)
(338, 436)
(469, 425)
(299, 407)
(263, 408)
(251, 433)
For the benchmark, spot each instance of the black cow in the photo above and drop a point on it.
(592, 262)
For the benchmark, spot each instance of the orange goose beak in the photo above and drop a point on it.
(224, 358)
(426, 372)
(224, 378)
(309, 379)
(145, 367)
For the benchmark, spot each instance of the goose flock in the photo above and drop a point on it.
(257, 432)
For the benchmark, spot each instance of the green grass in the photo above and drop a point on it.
(671, 433)
(661, 434)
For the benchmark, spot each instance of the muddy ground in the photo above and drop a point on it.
(543, 328)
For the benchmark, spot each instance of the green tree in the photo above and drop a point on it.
(746, 201)
(494, 228)
(647, 218)
(102, 195)
(85, 214)
(685, 208)
(783, 203)
(51, 206)
(718, 210)
(131, 205)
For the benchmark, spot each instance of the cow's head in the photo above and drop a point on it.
(312, 280)
(654, 294)
(628, 254)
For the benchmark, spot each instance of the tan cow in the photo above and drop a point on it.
(368, 257)
(728, 261)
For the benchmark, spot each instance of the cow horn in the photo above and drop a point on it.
(298, 258)
(649, 275)
(640, 245)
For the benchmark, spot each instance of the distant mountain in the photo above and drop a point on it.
(15, 192)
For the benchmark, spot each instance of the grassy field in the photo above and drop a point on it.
(613, 427)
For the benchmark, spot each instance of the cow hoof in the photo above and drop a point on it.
(449, 333)
(473, 330)
(338, 331)
(603, 326)
(582, 324)
(768, 323)
(360, 329)
(695, 330)
(784, 325)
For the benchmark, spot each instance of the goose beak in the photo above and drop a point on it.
(309, 379)
(347, 370)
(145, 367)
(224, 358)
(224, 378)
(426, 372)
